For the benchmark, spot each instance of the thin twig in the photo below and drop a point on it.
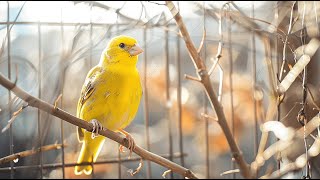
(259, 160)
(217, 58)
(312, 98)
(219, 51)
(202, 40)
(221, 75)
(284, 117)
(17, 156)
(192, 78)
(205, 80)
(132, 173)
(156, 3)
(285, 43)
(44, 106)
(230, 172)
(165, 173)
(209, 117)
(14, 116)
(15, 20)
(56, 101)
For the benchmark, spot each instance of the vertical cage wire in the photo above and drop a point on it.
(90, 66)
(39, 91)
(206, 132)
(145, 98)
(91, 26)
(9, 93)
(119, 153)
(178, 69)
(278, 72)
(205, 102)
(229, 29)
(254, 75)
(61, 103)
(168, 100)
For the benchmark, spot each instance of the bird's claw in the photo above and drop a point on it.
(97, 126)
(131, 144)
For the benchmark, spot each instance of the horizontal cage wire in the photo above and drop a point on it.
(229, 89)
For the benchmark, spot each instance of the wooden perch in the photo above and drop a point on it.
(17, 156)
(55, 111)
(205, 80)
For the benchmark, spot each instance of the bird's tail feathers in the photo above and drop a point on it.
(89, 153)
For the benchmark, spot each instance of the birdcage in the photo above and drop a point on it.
(229, 88)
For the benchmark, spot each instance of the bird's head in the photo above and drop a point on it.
(122, 50)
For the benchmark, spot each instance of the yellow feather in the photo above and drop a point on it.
(111, 94)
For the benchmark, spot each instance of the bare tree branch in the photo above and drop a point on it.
(44, 106)
(205, 80)
(19, 155)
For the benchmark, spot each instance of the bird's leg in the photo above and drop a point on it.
(97, 126)
(131, 142)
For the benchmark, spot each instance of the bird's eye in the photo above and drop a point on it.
(121, 45)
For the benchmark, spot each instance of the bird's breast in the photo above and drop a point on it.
(120, 96)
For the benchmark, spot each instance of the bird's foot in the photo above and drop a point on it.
(131, 143)
(97, 126)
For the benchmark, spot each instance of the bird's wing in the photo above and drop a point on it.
(86, 91)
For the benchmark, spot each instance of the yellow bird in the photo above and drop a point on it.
(110, 97)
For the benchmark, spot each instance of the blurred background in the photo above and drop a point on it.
(49, 47)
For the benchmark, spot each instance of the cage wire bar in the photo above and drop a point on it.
(254, 75)
(230, 60)
(205, 100)
(146, 99)
(90, 66)
(9, 93)
(168, 99)
(41, 166)
(178, 69)
(61, 102)
(278, 67)
(39, 95)
(119, 154)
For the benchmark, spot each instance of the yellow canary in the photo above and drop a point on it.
(110, 95)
